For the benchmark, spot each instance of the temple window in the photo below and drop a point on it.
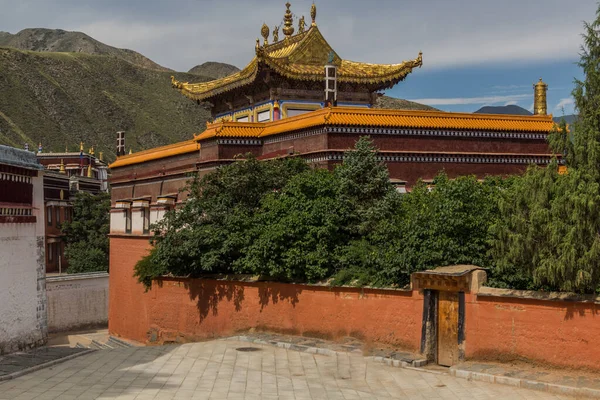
(49, 215)
(50, 252)
(128, 221)
(146, 217)
(264, 116)
(57, 215)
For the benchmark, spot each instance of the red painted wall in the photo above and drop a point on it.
(563, 333)
(184, 309)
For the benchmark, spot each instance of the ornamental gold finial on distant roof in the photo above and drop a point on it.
(301, 25)
(288, 20)
(313, 14)
(540, 105)
(276, 34)
(264, 31)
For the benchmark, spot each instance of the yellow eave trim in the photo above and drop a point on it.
(156, 153)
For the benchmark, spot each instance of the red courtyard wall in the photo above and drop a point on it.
(191, 309)
(557, 332)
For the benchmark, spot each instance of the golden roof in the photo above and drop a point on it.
(360, 116)
(301, 57)
(157, 153)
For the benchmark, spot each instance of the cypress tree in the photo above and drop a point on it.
(550, 225)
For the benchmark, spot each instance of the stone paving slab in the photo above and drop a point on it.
(218, 370)
(528, 375)
(14, 363)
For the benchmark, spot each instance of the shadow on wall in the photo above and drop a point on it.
(573, 305)
(209, 294)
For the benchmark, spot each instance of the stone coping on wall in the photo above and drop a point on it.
(72, 277)
(246, 278)
(536, 295)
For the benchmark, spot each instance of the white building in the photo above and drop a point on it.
(23, 314)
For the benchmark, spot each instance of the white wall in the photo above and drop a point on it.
(23, 322)
(77, 300)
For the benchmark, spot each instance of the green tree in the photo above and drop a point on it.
(86, 234)
(298, 231)
(209, 231)
(549, 230)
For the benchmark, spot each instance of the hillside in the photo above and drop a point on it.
(214, 70)
(58, 40)
(510, 109)
(393, 103)
(516, 110)
(62, 98)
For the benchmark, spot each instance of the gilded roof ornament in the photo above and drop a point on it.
(540, 105)
(80, 146)
(276, 34)
(313, 14)
(301, 25)
(264, 31)
(288, 21)
(62, 167)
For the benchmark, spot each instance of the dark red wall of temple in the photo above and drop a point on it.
(443, 144)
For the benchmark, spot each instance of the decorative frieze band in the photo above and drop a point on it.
(436, 132)
(443, 158)
(294, 135)
(6, 176)
(252, 142)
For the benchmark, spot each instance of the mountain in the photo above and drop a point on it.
(510, 109)
(214, 70)
(57, 40)
(61, 99)
(516, 110)
(60, 88)
(399, 104)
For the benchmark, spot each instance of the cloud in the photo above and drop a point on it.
(564, 104)
(511, 103)
(513, 99)
(182, 33)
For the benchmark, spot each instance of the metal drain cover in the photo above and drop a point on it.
(248, 349)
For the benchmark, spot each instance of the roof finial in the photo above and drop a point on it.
(540, 105)
(313, 14)
(89, 171)
(288, 20)
(264, 31)
(81, 147)
(62, 167)
(301, 25)
(276, 34)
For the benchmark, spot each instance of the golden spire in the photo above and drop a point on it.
(276, 34)
(264, 31)
(80, 146)
(91, 150)
(257, 44)
(62, 167)
(130, 151)
(101, 156)
(313, 14)
(89, 173)
(288, 20)
(540, 106)
(301, 25)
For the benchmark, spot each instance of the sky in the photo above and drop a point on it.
(475, 52)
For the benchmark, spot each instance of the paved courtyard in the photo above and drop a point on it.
(217, 370)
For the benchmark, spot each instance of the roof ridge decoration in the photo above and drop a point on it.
(300, 57)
